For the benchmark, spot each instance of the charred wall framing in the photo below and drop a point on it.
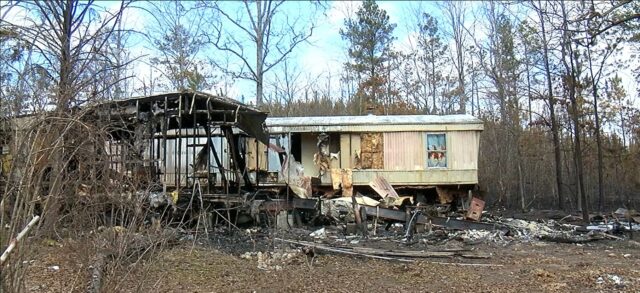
(169, 139)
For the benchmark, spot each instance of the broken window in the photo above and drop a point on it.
(436, 150)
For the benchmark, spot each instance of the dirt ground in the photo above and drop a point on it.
(218, 266)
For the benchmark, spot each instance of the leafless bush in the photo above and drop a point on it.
(60, 170)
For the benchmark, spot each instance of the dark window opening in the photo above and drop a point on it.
(296, 146)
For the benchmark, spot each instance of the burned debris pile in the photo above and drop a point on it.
(361, 226)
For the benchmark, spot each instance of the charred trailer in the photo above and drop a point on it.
(429, 159)
(183, 149)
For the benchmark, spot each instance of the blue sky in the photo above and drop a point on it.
(322, 57)
(325, 53)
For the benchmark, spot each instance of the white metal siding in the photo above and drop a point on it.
(463, 149)
(403, 151)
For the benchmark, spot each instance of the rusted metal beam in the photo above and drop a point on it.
(296, 203)
(438, 221)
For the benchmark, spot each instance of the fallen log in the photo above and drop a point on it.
(408, 253)
(465, 264)
(97, 268)
(399, 255)
(419, 254)
(340, 250)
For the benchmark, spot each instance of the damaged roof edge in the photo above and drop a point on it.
(388, 122)
(159, 97)
(373, 120)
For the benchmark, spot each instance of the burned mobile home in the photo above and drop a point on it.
(195, 151)
(434, 158)
(191, 151)
(233, 156)
(179, 139)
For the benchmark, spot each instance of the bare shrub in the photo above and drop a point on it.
(61, 171)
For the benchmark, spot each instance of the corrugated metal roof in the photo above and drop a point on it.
(372, 120)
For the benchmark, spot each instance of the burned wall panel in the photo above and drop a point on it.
(371, 151)
(256, 155)
(186, 160)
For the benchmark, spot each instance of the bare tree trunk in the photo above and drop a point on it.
(526, 50)
(523, 204)
(552, 113)
(578, 155)
(64, 81)
(274, 40)
(259, 54)
(599, 147)
(433, 83)
(571, 79)
(455, 14)
(598, 139)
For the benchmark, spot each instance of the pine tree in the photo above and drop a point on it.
(370, 36)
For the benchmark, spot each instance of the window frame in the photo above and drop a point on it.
(445, 151)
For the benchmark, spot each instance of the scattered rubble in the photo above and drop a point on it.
(383, 233)
(273, 260)
(610, 279)
(53, 268)
(320, 233)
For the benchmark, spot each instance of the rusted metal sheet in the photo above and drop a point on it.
(475, 209)
(404, 151)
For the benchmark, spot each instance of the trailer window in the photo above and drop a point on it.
(436, 150)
